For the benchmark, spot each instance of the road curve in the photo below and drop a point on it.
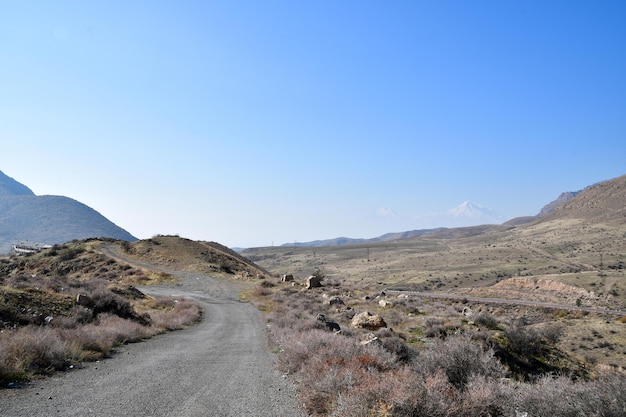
(218, 367)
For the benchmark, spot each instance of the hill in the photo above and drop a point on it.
(466, 210)
(48, 219)
(350, 241)
(584, 237)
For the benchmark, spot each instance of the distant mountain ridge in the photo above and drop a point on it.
(561, 206)
(563, 198)
(48, 219)
(349, 241)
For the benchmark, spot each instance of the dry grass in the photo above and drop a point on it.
(435, 362)
(173, 313)
(44, 328)
(38, 350)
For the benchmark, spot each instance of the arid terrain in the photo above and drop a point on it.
(489, 320)
(574, 256)
(219, 365)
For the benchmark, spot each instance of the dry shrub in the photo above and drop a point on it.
(553, 332)
(522, 339)
(562, 397)
(396, 346)
(333, 366)
(31, 350)
(103, 335)
(486, 320)
(106, 301)
(438, 327)
(485, 397)
(460, 358)
(457, 375)
(261, 291)
(267, 284)
(179, 313)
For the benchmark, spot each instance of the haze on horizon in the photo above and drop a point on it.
(252, 123)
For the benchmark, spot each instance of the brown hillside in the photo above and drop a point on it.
(179, 253)
(602, 202)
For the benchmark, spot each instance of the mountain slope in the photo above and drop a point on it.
(10, 187)
(25, 217)
(604, 202)
(563, 198)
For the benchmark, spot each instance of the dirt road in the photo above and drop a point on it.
(219, 367)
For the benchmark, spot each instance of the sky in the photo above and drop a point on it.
(258, 123)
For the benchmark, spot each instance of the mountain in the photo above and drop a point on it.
(473, 214)
(563, 198)
(10, 187)
(349, 241)
(48, 219)
(604, 202)
(470, 219)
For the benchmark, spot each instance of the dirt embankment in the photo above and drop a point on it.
(540, 289)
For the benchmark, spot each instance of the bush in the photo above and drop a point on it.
(460, 358)
(105, 301)
(552, 333)
(522, 339)
(31, 350)
(179, 313)
(485, 320)
(397, 346)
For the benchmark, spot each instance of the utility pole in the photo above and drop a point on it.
(601, 266)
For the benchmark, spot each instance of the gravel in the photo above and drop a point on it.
(218, 367)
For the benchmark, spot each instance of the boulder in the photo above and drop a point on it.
(328, 323)
(384, 303)
(367, 320)
(84, 300)
(287, 278)
(313, 282)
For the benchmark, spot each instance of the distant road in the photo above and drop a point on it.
(219, 367)
(509, 302)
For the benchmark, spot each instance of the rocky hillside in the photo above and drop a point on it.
(563, 198)
(48, 219)
(604, 202)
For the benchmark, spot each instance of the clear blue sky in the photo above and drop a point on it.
(252, 122)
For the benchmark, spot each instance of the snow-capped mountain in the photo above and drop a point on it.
(471, 214)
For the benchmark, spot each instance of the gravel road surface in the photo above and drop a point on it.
(219, 367)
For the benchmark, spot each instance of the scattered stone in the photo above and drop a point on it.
(467, 312)
(370, 339)
(313, 282)
(328, 323)
(367, 320)
(384, 303)
(84, 300)
(334, 301)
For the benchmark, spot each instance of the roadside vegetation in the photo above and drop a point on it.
(71, 304)
(430, 358)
